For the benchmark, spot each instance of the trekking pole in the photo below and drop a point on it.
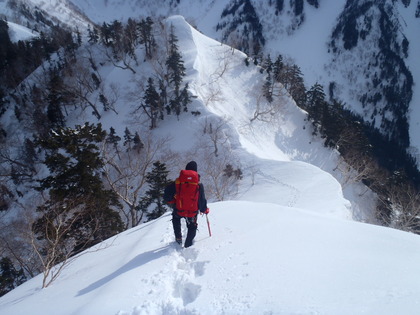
(208, 224)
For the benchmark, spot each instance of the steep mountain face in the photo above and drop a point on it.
(241, 27)
(366, 51)
(241, 22)
(41, 15)
(368, 36)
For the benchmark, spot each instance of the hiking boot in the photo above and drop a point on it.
(188, 243)
(179, 241)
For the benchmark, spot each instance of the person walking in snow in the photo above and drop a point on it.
(187, 197)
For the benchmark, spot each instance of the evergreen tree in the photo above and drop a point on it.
(292, 79)
(3, 103)
(268, 88)
(104, 101)
(163, 95)
(117, 36)
(151, 104)
(176, 71)
(138, 144)
(6, 45)
(131, 37)
(10, 277)
(297, 87)
(128, 138)
(185, 98)
(314, 3)
(78, 201)
(333, 123)
(30, 155)
(279, 6)
(278, 68)
(56, 98)
(147, 38)
(113, 139)
(157, 179)
(93, 35)
(268, 64)
(229, 171)
(105, 34)
(297, 6)
(317, 106)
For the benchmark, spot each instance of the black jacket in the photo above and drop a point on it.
(170, 192)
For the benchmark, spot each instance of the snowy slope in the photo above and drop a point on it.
(214, 69)
(18, 32)
(261, 259)
(65, 11)
(307, 45)
(312, 36)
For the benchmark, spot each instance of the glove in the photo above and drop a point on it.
(206, 212)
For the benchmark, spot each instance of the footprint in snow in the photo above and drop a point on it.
(187, 291)
(187, 268)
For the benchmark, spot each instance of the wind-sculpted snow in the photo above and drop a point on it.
(219, 68)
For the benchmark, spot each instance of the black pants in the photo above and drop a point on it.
(191, 226)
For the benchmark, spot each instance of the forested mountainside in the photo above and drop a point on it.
(385, 89)
(370, 67)
(371, 46)
(83, 99)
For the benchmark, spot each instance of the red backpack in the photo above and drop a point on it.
(187, 193)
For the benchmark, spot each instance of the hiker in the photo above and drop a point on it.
(186, 195)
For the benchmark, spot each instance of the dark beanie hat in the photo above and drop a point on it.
(192, 166)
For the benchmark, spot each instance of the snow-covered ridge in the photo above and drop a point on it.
(215, 68)
(262, 258)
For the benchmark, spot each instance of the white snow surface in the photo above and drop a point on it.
(287, 245)
(18, 32)
(262, 258)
